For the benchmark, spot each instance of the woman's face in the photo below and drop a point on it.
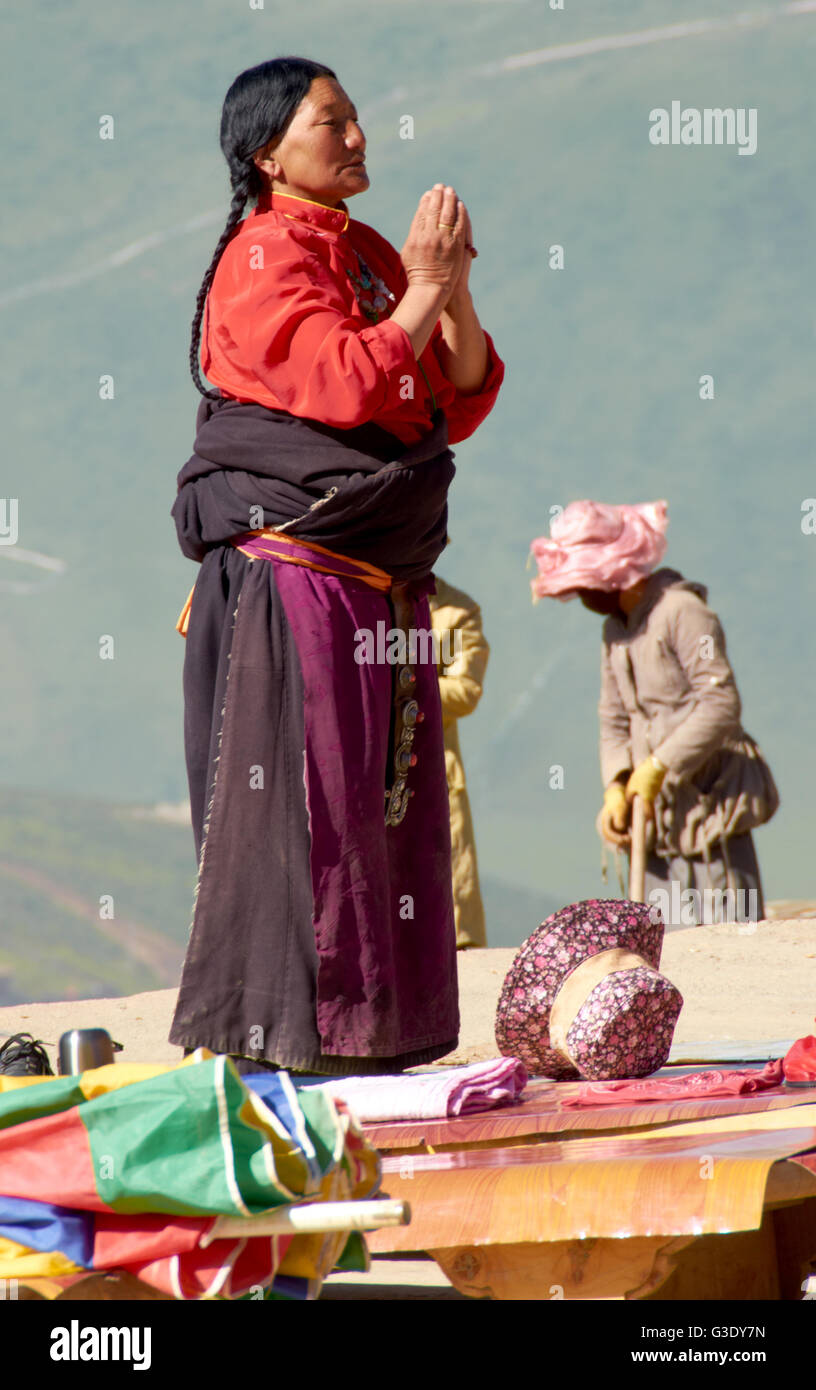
(321, 155)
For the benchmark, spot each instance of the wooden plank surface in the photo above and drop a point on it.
(665, 1182)
(541, 1111)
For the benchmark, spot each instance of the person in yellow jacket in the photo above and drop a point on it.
(463, 653)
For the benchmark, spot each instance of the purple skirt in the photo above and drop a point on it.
(322, 940)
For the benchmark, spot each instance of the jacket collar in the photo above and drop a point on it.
(297, 209)
(655, 584)
(618, 624)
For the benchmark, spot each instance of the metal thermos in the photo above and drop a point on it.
(82, 1049)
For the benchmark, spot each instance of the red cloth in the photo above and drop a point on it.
(699, 1083)
(283, 326)
(799, 1062)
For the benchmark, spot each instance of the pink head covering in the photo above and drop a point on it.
(595, 545)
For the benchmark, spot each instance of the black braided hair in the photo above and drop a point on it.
(257, 109)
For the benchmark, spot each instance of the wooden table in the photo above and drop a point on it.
(699, 1199)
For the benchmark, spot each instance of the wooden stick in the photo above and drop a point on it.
(637, 862)
(316, 1217)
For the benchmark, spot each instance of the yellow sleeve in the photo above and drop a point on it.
(464, 655)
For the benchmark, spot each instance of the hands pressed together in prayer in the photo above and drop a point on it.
(435, 249)
(437, 255)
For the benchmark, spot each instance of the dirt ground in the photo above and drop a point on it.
(739, 983)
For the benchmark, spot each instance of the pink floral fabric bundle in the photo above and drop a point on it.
(619, 1022)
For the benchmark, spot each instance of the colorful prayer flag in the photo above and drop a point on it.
(129, 1167)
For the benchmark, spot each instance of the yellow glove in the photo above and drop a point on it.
(615, 814)
(646, 780)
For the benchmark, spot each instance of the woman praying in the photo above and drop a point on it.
(315, 501)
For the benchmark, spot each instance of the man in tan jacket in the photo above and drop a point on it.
(670, 712)
(671, 732)
(457, 623)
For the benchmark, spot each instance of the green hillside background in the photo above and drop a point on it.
(678, 262)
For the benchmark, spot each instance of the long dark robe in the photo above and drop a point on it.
(321, 939)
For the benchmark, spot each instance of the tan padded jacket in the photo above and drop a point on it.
(667, 688)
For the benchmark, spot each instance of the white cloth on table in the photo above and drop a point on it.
(437, 1094)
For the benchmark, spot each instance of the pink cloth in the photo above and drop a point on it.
(432, 1095)
(595, 545)
(698, 1084)
(799, 1062)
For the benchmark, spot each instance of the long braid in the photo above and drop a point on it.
(257, 109)
(241, 187)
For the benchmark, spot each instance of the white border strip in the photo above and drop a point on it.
(226, 1138)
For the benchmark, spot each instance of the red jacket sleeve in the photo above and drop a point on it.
(466, 412)
(289, 324)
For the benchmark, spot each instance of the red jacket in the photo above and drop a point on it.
(286, 325)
